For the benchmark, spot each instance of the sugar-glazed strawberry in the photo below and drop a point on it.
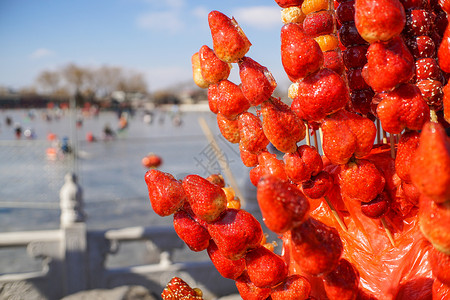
(320, 94)
(178, 289)
(293, 287)
(316, 247)
(430, 165)
(433, 220)
(228, 268)
(282, 205)
(303, 163)
(257, 83)
(388, 64)
(213, 95)
(230, 100)
(228, 128)
(248, 158)
(281, 125)
(377, 207)
(288, 3)
(361, 181)
(342, 282)
(229, 41)
(192, 233)
(255, 174)
(406, 147)
(252, 137)
(271, 165)
(207, 200)
(213, 69)
(339, 142)
(379, 20)
(197, 72)
(446, 102)
(318, 186)
(444, 51)
(165, 192)
(249, 291)
(235, 232)
(265, 268)
(403, 108)
(300, 54)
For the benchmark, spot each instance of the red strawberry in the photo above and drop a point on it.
(235, 232)
(271, 165)
(255, 174)
(379, 20)
(265, 268)
(249, 291)
(258, 83)
(430, 165)
(339, 142)
(294, 287)
(405, 150)
(229, 41)
(444, 51)
(433, 220)
(197, 72)
(213, 69)
(318, 23)
(432, 93)
(213, 95)
(421, 46)
(165, 192)
(192, 233)
(282, 204)
(342, 282)
(316, 247)
(230, 100)
(207, 200)
(361, 181)
(377, 207)
(228, 128)
(333, 60)
(289, 3)
(248, 158)
(281, 125)
(228, 268)
(303, 163)
(252, 137)
(388, 64)
(320, 94)
(318, 186)
(440, 265)
(300, 54)
(419, 22)
(446, 102)
(178, 289)
(403, 108)
(411, 193)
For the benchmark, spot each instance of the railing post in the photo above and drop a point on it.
(74, 243)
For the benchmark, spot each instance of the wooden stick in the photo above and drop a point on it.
(378, 125)
(316, 143)
(308, 137)
(321, 141)
(433, 116)
(392, 142)
(218, 152)
(335, 214)
(388, 232)
(384, 137)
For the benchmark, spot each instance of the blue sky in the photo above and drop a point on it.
(155, 37)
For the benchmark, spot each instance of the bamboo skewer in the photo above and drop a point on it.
(335, 214)
(388, 232)
(308, 137)
(378, 126)
(219, 154)
(392, 142)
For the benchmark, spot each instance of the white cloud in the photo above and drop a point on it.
(40, 53)
(163, 21)
(262, 17)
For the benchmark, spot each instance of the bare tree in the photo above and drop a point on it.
(49, 81)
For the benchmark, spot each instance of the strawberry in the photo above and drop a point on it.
(228, 268)
(192, 233)
(213, 95)
(316, 247)
(419, 22)
(255, 174)
(265, 269)
(427, 68)
(293, 287)
(432, 93)
(318, 186)
(300, 54)
(433, 220)
(252, 137)
(258, 83)
(444, 51)
(165, 192)
(248, 158)
(440, 264)
(178, 289)
(212, 68)
(403, 108)
(361, 181)
(377, 207)
(303, 163)
(235, 232)
(320, 94)
(318, 23)
(333, 60)
(197, 72)
(230, 100)
(339, 142)
(281, 125)
(446, 102)
(379, 20)
(249, 291)
(421, 46)
(229, 41)
(342, 282)
(228, 128)
(282, 205)
(271, 165)
(430, 165)
(410, 192)
(406, 147)
(388, 64)
(206, 199)
(288, 3)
